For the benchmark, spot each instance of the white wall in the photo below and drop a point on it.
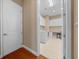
(30, 25)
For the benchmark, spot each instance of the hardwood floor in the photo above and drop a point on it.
(22, 54)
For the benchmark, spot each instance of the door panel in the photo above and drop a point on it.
(12, 16)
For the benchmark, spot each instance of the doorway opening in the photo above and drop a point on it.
(52, 29)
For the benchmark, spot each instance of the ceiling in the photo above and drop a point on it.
(46, 9)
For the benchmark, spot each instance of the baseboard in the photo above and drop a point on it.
(1, 57)
(30, 50)
(10, 52)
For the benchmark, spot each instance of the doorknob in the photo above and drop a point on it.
(5, 34)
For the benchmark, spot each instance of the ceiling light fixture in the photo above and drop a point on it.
(51, 3)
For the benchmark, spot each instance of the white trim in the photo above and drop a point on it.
(1, 57)
(10, 52)
(1, 28)
(68, 29)
(38, 27)
(30, 50)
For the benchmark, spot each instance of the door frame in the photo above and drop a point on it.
(67, 26)
(1, 28)
(68, 29)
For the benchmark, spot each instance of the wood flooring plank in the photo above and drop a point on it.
(22, 54)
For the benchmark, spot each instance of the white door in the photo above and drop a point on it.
(12, 16)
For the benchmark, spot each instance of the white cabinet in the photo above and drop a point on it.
(56, 22)
(43, 36)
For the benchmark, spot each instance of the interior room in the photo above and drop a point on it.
(51, 44)
(18, 29)
(37, 29)
(51, 29)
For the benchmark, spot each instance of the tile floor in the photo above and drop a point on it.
(53, 49)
